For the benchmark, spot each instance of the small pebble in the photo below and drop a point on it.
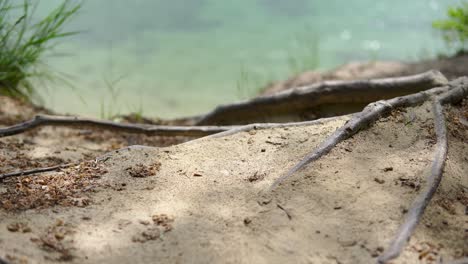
(13, 227)
(348, 243)
(144, 222)
(379, 181)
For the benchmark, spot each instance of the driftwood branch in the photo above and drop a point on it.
(325, 99)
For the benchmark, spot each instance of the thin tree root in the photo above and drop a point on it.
(35, 171)
(416, 211)
(422, 200)
(151, 130)
(319, 95)
(259, 126)
(227, 131)
(324, 99)
(370, 114)
(452, 93)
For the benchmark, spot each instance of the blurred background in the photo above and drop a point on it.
(173, 58)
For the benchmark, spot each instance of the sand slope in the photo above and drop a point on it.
(206, 202)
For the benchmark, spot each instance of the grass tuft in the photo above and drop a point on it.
(23, 43)
(454, 29)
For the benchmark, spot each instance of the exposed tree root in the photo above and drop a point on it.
(152, 130)
(452, 93)
(227, 132)
(424, 197)
(325, 99)
(35, 171)
(259, 126)
(422, 200)
(319, 97)
(371, 113)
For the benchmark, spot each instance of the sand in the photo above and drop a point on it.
(206, 201)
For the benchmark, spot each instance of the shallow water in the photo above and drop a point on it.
(183, 57)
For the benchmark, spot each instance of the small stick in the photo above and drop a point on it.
(285, 211)
(35, 171)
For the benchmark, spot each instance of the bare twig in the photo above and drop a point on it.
(285, 211)
(322, 99)
(35, 171)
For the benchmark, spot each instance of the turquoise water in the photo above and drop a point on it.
(172, 58)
